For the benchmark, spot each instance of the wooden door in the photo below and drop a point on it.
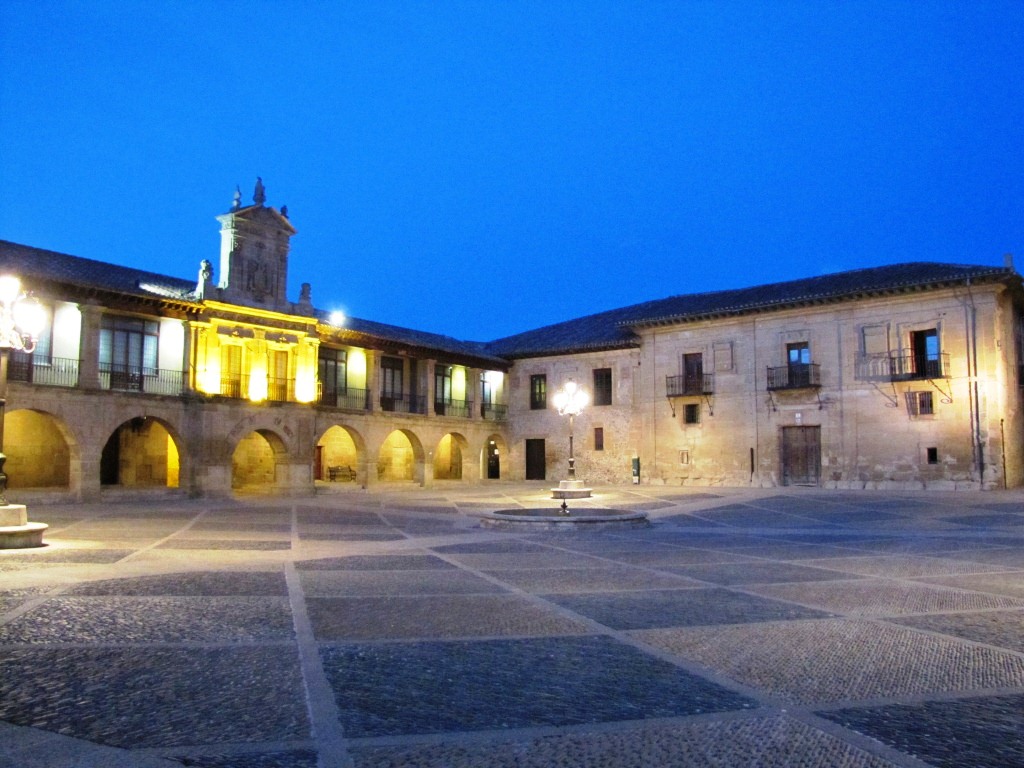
(801, 455)
(535, 461)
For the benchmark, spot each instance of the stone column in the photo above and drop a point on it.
(89, 346)
(372, 377)
(429, 389)
(473, 393)
(188, 364)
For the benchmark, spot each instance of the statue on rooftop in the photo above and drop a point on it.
(260, 195)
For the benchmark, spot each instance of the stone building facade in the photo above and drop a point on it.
(903, 376)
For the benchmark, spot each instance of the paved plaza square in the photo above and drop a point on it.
(388, 629)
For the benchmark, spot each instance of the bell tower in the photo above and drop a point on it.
(254, 243)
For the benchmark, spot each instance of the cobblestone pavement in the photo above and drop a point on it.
(387, 629)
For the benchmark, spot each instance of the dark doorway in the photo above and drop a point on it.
(535, 461)
(801, 455)
(493, 462)
(110, 461)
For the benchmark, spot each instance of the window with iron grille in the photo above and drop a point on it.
(602, 386)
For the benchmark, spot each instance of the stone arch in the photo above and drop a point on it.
(494, 458)
(449, 457)
(256, 460)
(341, 449)
(143, 451)
(401, 458)
(40, 449)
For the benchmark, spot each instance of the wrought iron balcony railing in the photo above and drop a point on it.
(49, 371)
(403, 403)
(794, 376)
(234, 386)
(459, 409)
(131, 378)
(493, 411)
(280, 390)
(889, 366)
(354, 399)
(690, 384)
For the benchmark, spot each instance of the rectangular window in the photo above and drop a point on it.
(691, 413)
(442, 389)
(538, 392)
(128, 350)
(602, 386)
(933, 455)
(920, 403)
(598, 438)
(277, 376)
(798, 353)
(332, 368)
(231, 370)
(392, 384)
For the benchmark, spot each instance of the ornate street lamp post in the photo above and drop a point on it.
(570, 400)
(21, 322)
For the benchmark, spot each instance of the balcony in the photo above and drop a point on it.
(234, 386)
(794, 376)
(493, 412)
(48, 371)
(459, 409)
(403, 403)
(131, 378)
(901, 367)
(353, 399)
(690, 385)
(280, 390)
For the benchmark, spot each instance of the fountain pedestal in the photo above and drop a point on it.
(571, 489)
(16, 532)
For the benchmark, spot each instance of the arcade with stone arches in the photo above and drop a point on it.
(60, 448)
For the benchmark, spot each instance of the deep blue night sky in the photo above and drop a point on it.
(481, 168)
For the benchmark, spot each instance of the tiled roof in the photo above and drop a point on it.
(50, 266)
(613, 329)
(605, 330)
(60, 267)
(420, 339)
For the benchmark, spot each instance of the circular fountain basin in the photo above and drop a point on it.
(554, 519)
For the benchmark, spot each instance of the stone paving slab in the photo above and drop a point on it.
(1004, 629)
(883, 597)
(750, 743)
(413, 562)
(155, 697)
(527, 560)
(1010, 584)
(394, 583)
(978, 732)
(433, 616)
(599, 579)
(832, 660)
(664, 557)
(152, 620)
(293, 758)
(731, 574)
(685, 643)
(415, 688)
(904, 566)
(677, 608)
